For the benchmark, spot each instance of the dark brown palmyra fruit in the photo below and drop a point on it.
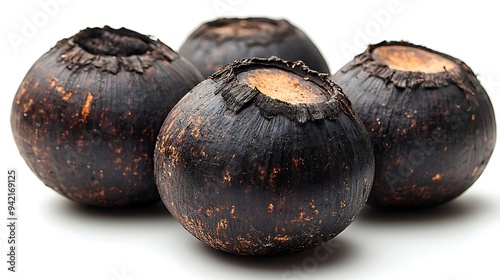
(265, 157)
(86, 115)
(431, 123)
(217, 43)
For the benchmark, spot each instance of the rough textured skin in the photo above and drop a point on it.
(210, 50)
(86, 123)
(432, 134)
(251, 175)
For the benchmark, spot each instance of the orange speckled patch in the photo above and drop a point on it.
(86, 106)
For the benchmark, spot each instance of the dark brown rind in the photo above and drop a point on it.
(252, 184)
(75, 55)
(433, 134)
(237, 94)
(409, 79)
(88, 130)
(282, 29)
(209, 51)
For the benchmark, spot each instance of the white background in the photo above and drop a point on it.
(61, 240)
